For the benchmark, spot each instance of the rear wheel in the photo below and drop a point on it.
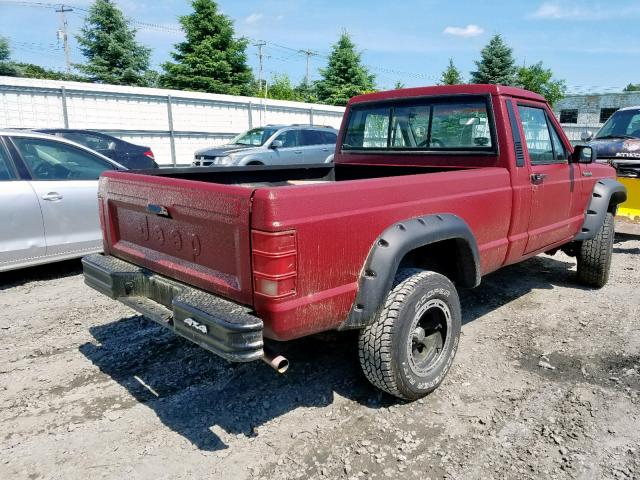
(409, 347)
(594, 256)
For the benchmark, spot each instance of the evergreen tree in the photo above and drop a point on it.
(7, 67)
(398, 85)
(345, 76)
(540, 80)
(632, 87)
(110, 47)
(451, 76)
(210, 59)
(496, 64)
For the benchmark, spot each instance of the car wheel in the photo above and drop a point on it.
(594, 256)
(409, 347)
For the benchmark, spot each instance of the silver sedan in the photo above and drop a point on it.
(48, 199)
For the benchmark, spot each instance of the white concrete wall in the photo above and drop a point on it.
(140, 115)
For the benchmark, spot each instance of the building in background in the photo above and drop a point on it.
(578, 113)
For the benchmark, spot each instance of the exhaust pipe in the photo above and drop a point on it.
(277, 362)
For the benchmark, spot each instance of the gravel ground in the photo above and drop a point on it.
(546, 384)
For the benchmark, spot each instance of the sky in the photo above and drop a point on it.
(593, 45)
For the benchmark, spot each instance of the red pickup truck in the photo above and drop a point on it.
(432, 188)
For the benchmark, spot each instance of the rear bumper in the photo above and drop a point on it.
(218, 325)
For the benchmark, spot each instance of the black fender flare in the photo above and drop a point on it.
(381, 266)
(606, 193)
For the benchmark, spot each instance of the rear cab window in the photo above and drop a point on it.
(434, 124)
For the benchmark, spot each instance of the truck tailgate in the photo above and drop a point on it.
(194, 232)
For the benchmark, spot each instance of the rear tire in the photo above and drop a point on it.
(410, 345)
(594, 256)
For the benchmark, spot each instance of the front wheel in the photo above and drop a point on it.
(594, 256)
(409, 347)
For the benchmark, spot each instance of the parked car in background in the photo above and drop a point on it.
(48, 199)
(273, 145)
(618, 143)
(134, 157)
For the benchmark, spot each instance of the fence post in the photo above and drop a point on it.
(172, 138)
(249, 106)
(311, 116)
(65, 112)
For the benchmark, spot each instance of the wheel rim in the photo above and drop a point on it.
(429, 336)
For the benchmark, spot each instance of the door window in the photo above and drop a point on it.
(289, 139)
(6, 173)
(329, 138)
(50, 160)
(94, 142)
(536, 133)
(312, 137)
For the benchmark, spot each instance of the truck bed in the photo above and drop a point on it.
(274, 176)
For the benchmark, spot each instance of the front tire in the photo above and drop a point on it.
(409, 347)
(594, 256)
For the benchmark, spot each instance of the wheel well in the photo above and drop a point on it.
(452, 258)
(616, 199)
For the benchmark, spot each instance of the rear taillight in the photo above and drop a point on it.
(274, 263)
(149, 154)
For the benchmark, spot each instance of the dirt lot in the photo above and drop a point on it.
(546, 384)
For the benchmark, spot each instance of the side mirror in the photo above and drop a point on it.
(586, 136)
(276, 144)
(583, 154)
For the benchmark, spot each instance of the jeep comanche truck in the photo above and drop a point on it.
(432, 188)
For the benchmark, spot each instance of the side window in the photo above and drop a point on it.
(536, 133)
(311, 137)
(329, 138)
(93, 142)
(6, 173)
(50, 160)
(289, 139)
(558, 148)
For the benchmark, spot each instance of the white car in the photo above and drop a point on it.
(48, 199)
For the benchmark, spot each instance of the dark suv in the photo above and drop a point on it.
(134, 157)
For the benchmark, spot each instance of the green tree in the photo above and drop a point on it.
(345, 75)
(307, 92)
(496, 64)
(451, 76)
(632, 87)
(29, 70)
(110, 47)
(7, 67)
(398, 85)
(540, 80)
(280, 88)
(210, 59)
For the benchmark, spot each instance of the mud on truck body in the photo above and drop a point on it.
(431, 189)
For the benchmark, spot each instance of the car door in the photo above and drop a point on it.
(290, 153)
(22, 239)
(551, 176)
(65, 180)
(313, 146)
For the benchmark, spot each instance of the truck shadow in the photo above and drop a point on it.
(207, 400)
(50, 271)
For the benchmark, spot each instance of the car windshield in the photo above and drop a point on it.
(622, 124)
(255, 137)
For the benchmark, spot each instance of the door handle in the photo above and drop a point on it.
(52, 197)
(297, 151)
(587, 174)
(538, 178)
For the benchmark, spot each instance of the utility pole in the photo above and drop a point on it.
(63, 33)
(309, 54)
(260, 44)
